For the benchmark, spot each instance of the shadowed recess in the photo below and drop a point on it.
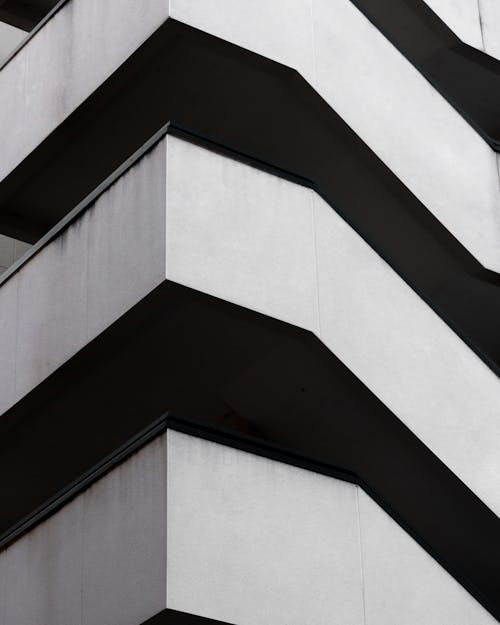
(25, 14)
(173, 617)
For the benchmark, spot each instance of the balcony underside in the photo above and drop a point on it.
(234, 376)
(25, 14)
(289, 130)
(173, 617)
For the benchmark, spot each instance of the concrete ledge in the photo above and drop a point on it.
(175, 216)
(76, 284)
(326, 155)
(199, 533)
(388, 102)
(418, 135)
(63, 63)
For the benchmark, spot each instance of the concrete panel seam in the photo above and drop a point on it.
(481, 23)
(313, 41)
(361, 557)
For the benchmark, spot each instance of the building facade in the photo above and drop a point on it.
(249, 303)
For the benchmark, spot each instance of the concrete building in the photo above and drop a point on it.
(249, 303)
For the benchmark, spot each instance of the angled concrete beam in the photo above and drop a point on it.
(417, 134)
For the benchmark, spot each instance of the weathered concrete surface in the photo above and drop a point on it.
(379, 94)
(64, 63)
(100, 559)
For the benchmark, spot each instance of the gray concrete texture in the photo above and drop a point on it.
(418, 135)
(476, 22)
(267, 244)
(202, 528)
(10, 38)
(240, 234)
(85, 279)
(100, 559)
(10, 251)
(294, 258)
(413, 129)
(253, 541)
(64, 63)
(490, 21)
(251, 238)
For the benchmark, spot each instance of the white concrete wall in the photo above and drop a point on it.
(240, 234)
(463, 17)
(248, 538)
(253, 541)
(418, 135)
(10, 37)
(202, 528)
(490, 20)
(100, 559)
(476, 22)
(413, 129)
(272, 246)
(10, 251)
(64, 63)
(403, 584)
(84, 280)
(264, 243)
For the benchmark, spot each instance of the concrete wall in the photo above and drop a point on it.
(272, 246)
(418, 135)
(84, 280)
(490, 20)
(64, 63)
(100, 559)
(264, 243)
(10, 37)
(476, 22)
(253, 541)
(10, 251)
(240, 234)
(464, 17)
(372, 86)
(210, 530)
(249, 540)
(403, 585)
